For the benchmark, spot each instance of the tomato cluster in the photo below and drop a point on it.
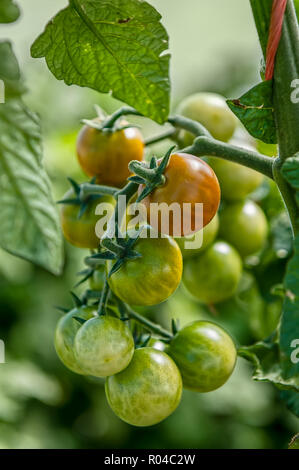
(143, 383)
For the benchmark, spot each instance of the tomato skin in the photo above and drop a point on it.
(208, 237)
(147, 391)
(103, 346)
(205, 355)
(188, 180)
(236, 181)
(107, 155)
(65, 333)
(244, 225)
(80, 232)
(214, 275)
(151, 279)
(212, 112)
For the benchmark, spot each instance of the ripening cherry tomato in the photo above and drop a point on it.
(244, 225)
(188, 180)
(204, 238)
(205, 355)
(65, 333)
(147, 391)
(214, 275)
(103, 346)
(107, 154)
(152, 278)
(212, 112)
(81, 232)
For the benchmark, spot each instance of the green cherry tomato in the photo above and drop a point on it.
(244, 225)
(97, 280)
(65, 333)
(210, 110)
(202, 239)
(205, 355)
(152, 278)
(214, 275)
(147, 391)
(103, 346)
(236, 181)
(81, 231)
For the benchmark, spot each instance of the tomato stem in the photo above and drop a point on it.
(125, 110)
(207, 146)
(149, 325)
(165, 135)
(103, 299)
(189, 125)
(88, 189)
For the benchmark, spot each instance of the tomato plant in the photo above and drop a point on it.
(147, 391)
(89, 43)
(205, 355)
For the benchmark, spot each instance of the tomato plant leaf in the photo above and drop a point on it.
(255, 110)
(9, 11)
(265, 357)
(29, 221)
(117, 46)
(290, 171)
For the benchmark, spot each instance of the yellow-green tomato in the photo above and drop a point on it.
(147, 391)
(211, 111)
(65, 333)
(214, 275)
(244, 225)
(236, 181)
(152, 278)
(205, 355)
(194, 244)
(81, 231)
(104, 346)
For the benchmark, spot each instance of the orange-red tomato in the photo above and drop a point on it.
(107, 155)
(188, 180)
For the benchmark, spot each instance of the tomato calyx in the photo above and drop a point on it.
(149, 175)
(79, 199)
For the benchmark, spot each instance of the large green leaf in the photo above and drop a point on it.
(10, 72)
(255, 110)
(28, 217)
(117, 46)
(9, 11)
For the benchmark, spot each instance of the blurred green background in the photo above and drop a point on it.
(42, 405)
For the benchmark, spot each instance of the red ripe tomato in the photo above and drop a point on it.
(188, 180)
(106, 154)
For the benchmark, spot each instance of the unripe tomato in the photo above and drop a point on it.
(206, 235)
(80, 232)
(244, 225)
(97, 280)
(214, 275)
(205, 355)
(236, 181)
(147, 391)
(65, 333)
(103, 346)
(107, 155)
(151, 279)
(188, 180)
(212, 112)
